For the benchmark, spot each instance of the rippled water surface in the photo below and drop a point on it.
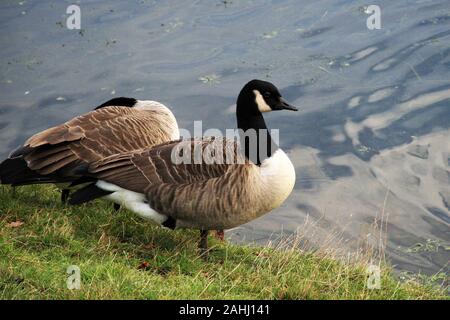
(371, 143)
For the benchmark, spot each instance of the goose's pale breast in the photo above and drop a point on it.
(278, 178)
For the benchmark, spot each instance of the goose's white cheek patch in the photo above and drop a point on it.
(260, 102)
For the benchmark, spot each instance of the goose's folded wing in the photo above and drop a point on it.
(175, 163)
(221, 202)
(91, 137)
(206, 191)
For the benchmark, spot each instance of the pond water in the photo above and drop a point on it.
(370, 145)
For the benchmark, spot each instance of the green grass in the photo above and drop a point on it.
(110, 246)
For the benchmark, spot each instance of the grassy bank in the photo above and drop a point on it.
(122, 257)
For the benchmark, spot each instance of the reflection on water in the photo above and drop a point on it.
(371, 146)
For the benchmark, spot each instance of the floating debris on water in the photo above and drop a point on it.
(172, 26)
(225, 3)
(210, 79)
(340, 62)
(270, 35)
(110, 42)
(430, 245)
(364, 9)
(362, 149)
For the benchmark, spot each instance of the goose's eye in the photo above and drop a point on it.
(266, 94)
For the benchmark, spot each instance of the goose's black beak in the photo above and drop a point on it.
(284, 105)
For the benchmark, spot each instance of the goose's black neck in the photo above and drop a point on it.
(255, 138)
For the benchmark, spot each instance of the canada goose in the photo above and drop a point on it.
(203, 196)
(118, 125)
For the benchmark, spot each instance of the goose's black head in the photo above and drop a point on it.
(261, 96)
(257, 97)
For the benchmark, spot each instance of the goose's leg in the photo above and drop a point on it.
(64, 195)
(203, 244)
(220, 234)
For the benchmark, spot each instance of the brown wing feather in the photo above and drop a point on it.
(156, 165)
(93, 136)
(55, 135)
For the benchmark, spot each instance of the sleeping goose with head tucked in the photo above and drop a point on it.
(116, 126)
(159, 185)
